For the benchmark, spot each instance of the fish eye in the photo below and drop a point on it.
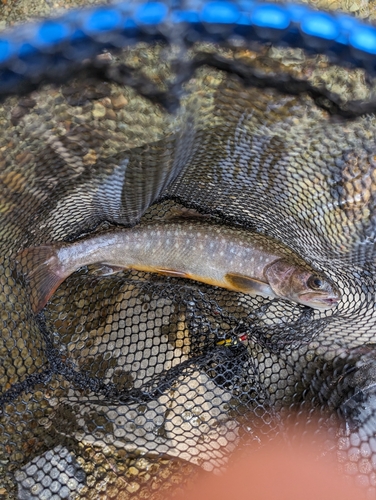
(315, 282)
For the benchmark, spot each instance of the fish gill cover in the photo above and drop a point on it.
(255, 116)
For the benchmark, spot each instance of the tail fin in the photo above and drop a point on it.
(43, 271)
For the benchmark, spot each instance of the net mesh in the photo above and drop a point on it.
(125, 386)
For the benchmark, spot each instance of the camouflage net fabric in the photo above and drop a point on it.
(124, 386)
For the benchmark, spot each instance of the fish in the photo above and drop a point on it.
(232, 258)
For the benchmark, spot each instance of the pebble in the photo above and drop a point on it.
(99, 110)
(119, 101)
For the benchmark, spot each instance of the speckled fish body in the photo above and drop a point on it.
(197, 250)
(231, 258)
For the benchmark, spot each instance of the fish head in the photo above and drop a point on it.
(291, 281)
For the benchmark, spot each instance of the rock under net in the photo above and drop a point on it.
(125, 385)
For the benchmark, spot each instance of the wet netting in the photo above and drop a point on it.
(240, 120)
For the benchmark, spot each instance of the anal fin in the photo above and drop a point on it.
(245, 284)
(171, 272)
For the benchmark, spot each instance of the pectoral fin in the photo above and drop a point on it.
(245, 284)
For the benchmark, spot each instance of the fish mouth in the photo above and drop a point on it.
(329, 301)
(323, 302)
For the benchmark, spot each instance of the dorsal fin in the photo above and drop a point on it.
(178, 213)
